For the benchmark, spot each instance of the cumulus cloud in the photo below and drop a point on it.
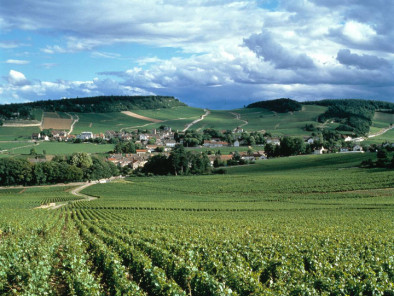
(364, 61)
(265, 46)
(22, 89)
(16, 78)
(190, 26)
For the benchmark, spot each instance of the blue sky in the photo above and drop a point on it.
(215, 54)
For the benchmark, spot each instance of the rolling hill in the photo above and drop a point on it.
(100, 114)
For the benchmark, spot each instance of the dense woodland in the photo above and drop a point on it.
(354, 115)
(180, 162)
(62, 169)
(100, 104)
(282, 105)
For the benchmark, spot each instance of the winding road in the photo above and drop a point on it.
(238, 117)
(207, 112)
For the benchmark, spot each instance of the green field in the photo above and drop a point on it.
(220, 120)
(382, 120)
(17, 133)
(102, 122)
(174, 113)
(55, 148)
(280, 124)
(386, 137)
(305, 225)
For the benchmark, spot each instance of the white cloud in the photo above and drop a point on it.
(290, 52)
(358, 32)
(17, 62)
(16, 78)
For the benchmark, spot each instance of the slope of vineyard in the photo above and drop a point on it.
(311, 225)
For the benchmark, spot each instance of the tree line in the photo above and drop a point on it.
(282, 105)
(353, 115)
(179, 162)
(61, 169)
(99, 104)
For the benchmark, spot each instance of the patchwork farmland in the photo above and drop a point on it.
(54, 120)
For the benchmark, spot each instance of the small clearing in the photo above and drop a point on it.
(135, 115)
(207, 112)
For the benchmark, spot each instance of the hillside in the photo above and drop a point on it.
(101, 114)
(100, 104)
(280, 105)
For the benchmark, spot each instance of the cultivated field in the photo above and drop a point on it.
(280, 124)
(57, 121)
(17, 133)
(310, 225)
(221, 120)
(135, 115)
(102, 122)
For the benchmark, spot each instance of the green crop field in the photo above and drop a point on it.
(54, 148)
(102, 122)
(308, 225)
(386, 137)
(17, 133)
(382, 120)
(221, 120)
(58, 148)
(280, 124)
(172, 113)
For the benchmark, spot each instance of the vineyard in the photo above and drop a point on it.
(287, 228)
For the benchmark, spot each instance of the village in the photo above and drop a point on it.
(162, 140)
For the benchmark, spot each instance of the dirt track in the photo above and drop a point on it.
(135, 115)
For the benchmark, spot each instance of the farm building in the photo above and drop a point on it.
(85, 136)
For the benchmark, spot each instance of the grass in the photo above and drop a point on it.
(386, 137)
(382, 120)
(220, 120)
(17, 133)
(280, 124)
(170, 114)
(59, 148)
(102, 122)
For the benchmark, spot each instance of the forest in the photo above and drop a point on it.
(61, 169)
(99, 104)
(282, 105)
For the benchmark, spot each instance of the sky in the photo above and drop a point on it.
(207, 53)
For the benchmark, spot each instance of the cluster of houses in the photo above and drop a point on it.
(132, 160)
(58, 135)
(164, 139)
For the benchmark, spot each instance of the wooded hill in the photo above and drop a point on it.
(353, 115)
(100, 104)
(282, 105)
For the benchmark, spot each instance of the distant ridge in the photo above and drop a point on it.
(99, 104)
(282, 105)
